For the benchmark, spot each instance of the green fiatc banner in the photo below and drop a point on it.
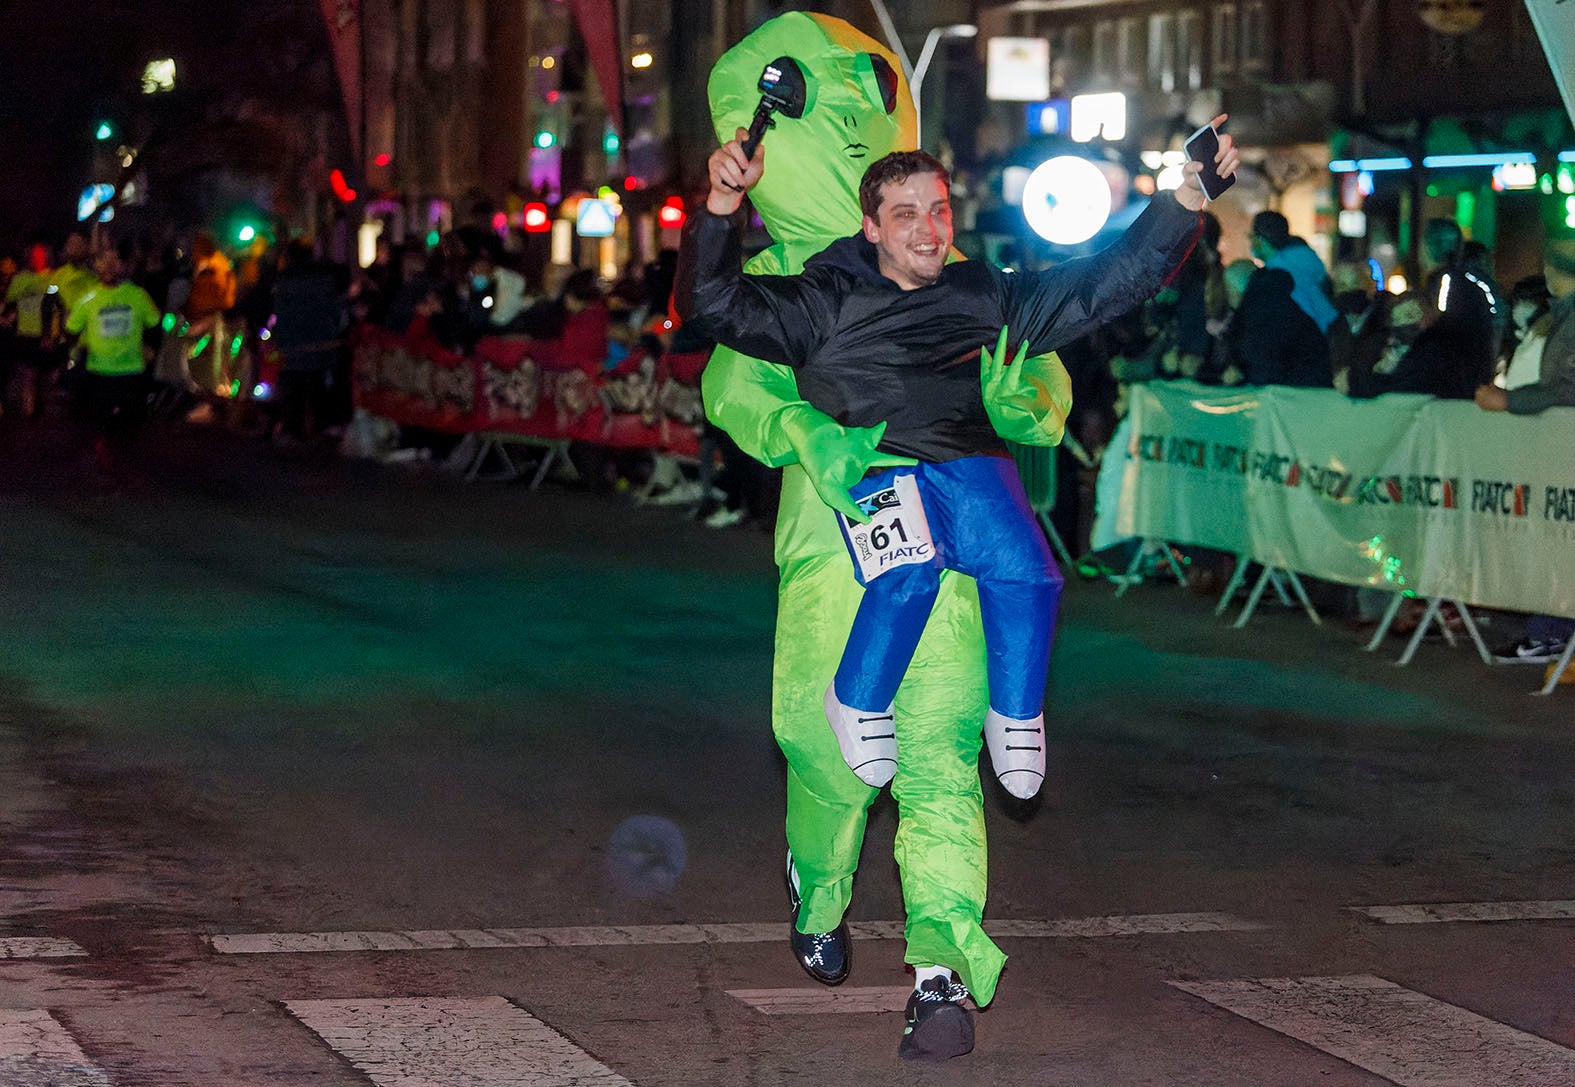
(1403, 492)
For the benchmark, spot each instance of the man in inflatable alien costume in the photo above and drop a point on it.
(857, 110)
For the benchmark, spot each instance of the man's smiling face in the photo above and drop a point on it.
(912, 229)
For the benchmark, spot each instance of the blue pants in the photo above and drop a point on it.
(982, 526)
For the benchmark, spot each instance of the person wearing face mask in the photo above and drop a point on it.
(1529, 332)
(1546, 635)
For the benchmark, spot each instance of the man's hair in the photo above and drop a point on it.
(897, 167)
(1443, 240)
(1559, 254)
(1273, 228)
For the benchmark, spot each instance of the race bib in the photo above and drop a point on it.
(898, 533)
(114, 322)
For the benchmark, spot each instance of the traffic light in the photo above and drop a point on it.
(104, 131)
(671, 214)
(536, 220)
(341, 187)
(545, 139)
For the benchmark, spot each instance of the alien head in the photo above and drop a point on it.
(857, 109)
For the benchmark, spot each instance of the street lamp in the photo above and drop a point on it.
(956, 30)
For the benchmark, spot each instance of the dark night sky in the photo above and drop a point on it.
(63, 63)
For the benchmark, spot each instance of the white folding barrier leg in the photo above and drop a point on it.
(1237, 576)
(547, 458)
(1132, 575)
(1558, 669)
(1057, 542)
(1252, 600)
(1388, 621)
(1301, 594)
(484, 448)
(1476, 635)
(1421, 629)
(1170, 557)
(1278, 584)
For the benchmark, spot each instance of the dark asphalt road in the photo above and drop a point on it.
(257, 691)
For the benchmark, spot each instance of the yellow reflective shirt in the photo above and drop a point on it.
(71, 283)
(27, 292)
(111, 321)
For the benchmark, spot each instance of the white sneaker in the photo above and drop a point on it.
(724, 518)
(679, 494)
(868, 740)
(1017, 751)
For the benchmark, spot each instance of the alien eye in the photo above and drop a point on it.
(886, 78)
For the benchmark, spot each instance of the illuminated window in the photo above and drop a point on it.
(1103, 115)
(1129, 50)
(1223, 54)
(1105, 62)
(1254, 36)
(1162, 52)
(1189, 49)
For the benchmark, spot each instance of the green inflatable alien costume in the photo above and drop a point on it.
(858, 109)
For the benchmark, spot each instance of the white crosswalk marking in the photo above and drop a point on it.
(844, 999)
(1142, 924)
(1436, 913)
(1402, 1035)
(285, 943)
(37, 947)
(452, 1041)
(36, 1051)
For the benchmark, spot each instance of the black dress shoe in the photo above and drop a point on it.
(825, 956)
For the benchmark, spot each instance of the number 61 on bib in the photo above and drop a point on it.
(898, 533)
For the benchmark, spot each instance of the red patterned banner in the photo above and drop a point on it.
(520, 386)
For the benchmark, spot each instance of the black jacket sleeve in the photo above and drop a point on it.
(777, 318)
(1052, 307)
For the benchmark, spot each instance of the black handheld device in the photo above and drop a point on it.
(1201, 147)
(781, 89)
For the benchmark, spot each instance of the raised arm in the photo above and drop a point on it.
(1054, 307)
(780, 319)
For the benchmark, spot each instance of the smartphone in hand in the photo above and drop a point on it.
(1201, 147)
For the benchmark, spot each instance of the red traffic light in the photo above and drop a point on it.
(536, 220)
(671, 213)
(342, 189)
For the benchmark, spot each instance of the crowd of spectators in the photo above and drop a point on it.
(260, 338)
(1283, 318)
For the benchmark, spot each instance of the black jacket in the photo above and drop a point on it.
(1272, 341)
(865, 350)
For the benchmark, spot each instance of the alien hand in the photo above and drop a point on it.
(1027, 399)
(834, 456)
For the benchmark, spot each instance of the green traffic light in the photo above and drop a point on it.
(545, 139)
(106, 131)
(246, 233)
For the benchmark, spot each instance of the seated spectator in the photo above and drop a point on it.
(1275, 245)
(1271, 340)
(586, 322)
(1428, 353)
(1546, 635)
(1358, 339)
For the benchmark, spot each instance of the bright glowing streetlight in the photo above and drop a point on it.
(158, 76)
(956, 30)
